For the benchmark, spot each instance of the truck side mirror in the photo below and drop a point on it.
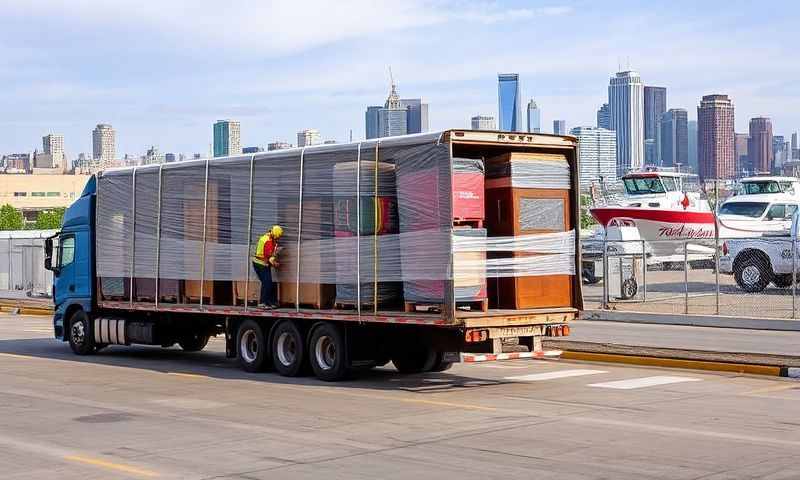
(48, 254)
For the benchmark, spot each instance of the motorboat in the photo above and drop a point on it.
(756, 214)
(662, 206)
(769, 185)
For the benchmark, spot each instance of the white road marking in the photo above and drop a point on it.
(644, 382)
(537, 377)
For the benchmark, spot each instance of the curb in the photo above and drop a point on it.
(20, 310)
(753, 369)
(720, 321)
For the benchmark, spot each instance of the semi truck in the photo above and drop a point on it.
(422, 250)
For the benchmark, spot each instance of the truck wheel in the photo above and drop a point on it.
(194, 343)
(783, 281)
(416, 359)
(327, 353)
(753, 274)
(288, 350)
(81, 334)
(251, 346)
(629, 289)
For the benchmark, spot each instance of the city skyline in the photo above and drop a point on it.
(42, 95)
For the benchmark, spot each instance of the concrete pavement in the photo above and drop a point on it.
(146, 412)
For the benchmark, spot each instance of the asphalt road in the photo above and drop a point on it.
(152, 413)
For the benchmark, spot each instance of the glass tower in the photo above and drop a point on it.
(508, 102)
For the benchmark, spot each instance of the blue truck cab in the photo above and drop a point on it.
(69, 254)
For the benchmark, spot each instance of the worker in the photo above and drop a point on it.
(264, 260)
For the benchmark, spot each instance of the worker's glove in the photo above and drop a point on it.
(274, 262)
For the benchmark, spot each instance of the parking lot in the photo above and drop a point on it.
(151, 413)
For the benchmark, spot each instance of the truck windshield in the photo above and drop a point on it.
(644, 185)
(743, 209)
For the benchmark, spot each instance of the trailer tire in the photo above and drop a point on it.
(327, 352)
(288, 349)
(251, 347)
(81, 334)
(414, 360)
(439, 364)
(194, 343)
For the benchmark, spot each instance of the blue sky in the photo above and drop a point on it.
(162, 71)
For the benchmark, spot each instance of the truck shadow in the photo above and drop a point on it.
(213, 364)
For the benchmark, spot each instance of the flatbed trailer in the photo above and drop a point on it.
(102, 269)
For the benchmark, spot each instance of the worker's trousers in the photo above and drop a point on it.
(265, 276)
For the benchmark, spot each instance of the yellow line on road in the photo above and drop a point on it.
(673, 363)
(776, 388)
(14, 355)
(112, 466)
(188, 375)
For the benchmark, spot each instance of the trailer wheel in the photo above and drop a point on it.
(439, 364)
(418, 359)
(251, 346)
(194, 343)
(288, 349)
(81, 334)
(327, 353)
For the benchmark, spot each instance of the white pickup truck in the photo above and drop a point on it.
(756, 262)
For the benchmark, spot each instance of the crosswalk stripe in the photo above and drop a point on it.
(643, 382)
(537, 377)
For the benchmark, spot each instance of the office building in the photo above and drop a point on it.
(17, 163)
(715, 117)
(509, 105)
(692, 141)
(674, 138)
(559, 127)
(534, 118)
(308, 137)
(795, 147)
(780, 152)
(227, 138)
(626, 107)
(372, 118)
(483, 122)
(741, 143)
(760, 147)
(598, 155)
(655, 105)
(34, 193)
(104, 145)
(252, 150)
(650, 155)
(604, 117)
(278, 146)
(416, 115)
(53, 145)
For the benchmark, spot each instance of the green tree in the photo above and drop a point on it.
(587, 220)
(11, 218)
(49, 219)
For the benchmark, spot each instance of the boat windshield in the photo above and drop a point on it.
(743, 209)
(645, 185)
(765, 186)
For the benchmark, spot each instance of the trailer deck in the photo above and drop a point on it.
(468, 319)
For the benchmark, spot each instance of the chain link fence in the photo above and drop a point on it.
(738, 277)
(22, 271)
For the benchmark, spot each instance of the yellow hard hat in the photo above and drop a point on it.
(276, 231)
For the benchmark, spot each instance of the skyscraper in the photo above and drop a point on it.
(692, 134)
(53, 145)
(534, 118)
(625, 100)
(760, 146)
(655, 104)
(396, 117)
(308, 137)
(509, 106)
(780, 152)
(416, 114)
(598, 155)
(795, 147)
(715, 116)
(604, 117)
(483, 122)
(227, 138)
(104, 145)
(740, 147)
(674, 138)
(559, 127)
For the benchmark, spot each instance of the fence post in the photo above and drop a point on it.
(644, 273)
(716, 243)
(794, 276)
(606, 274)
(685, 278)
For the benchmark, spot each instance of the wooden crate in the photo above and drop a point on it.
(314, 295)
